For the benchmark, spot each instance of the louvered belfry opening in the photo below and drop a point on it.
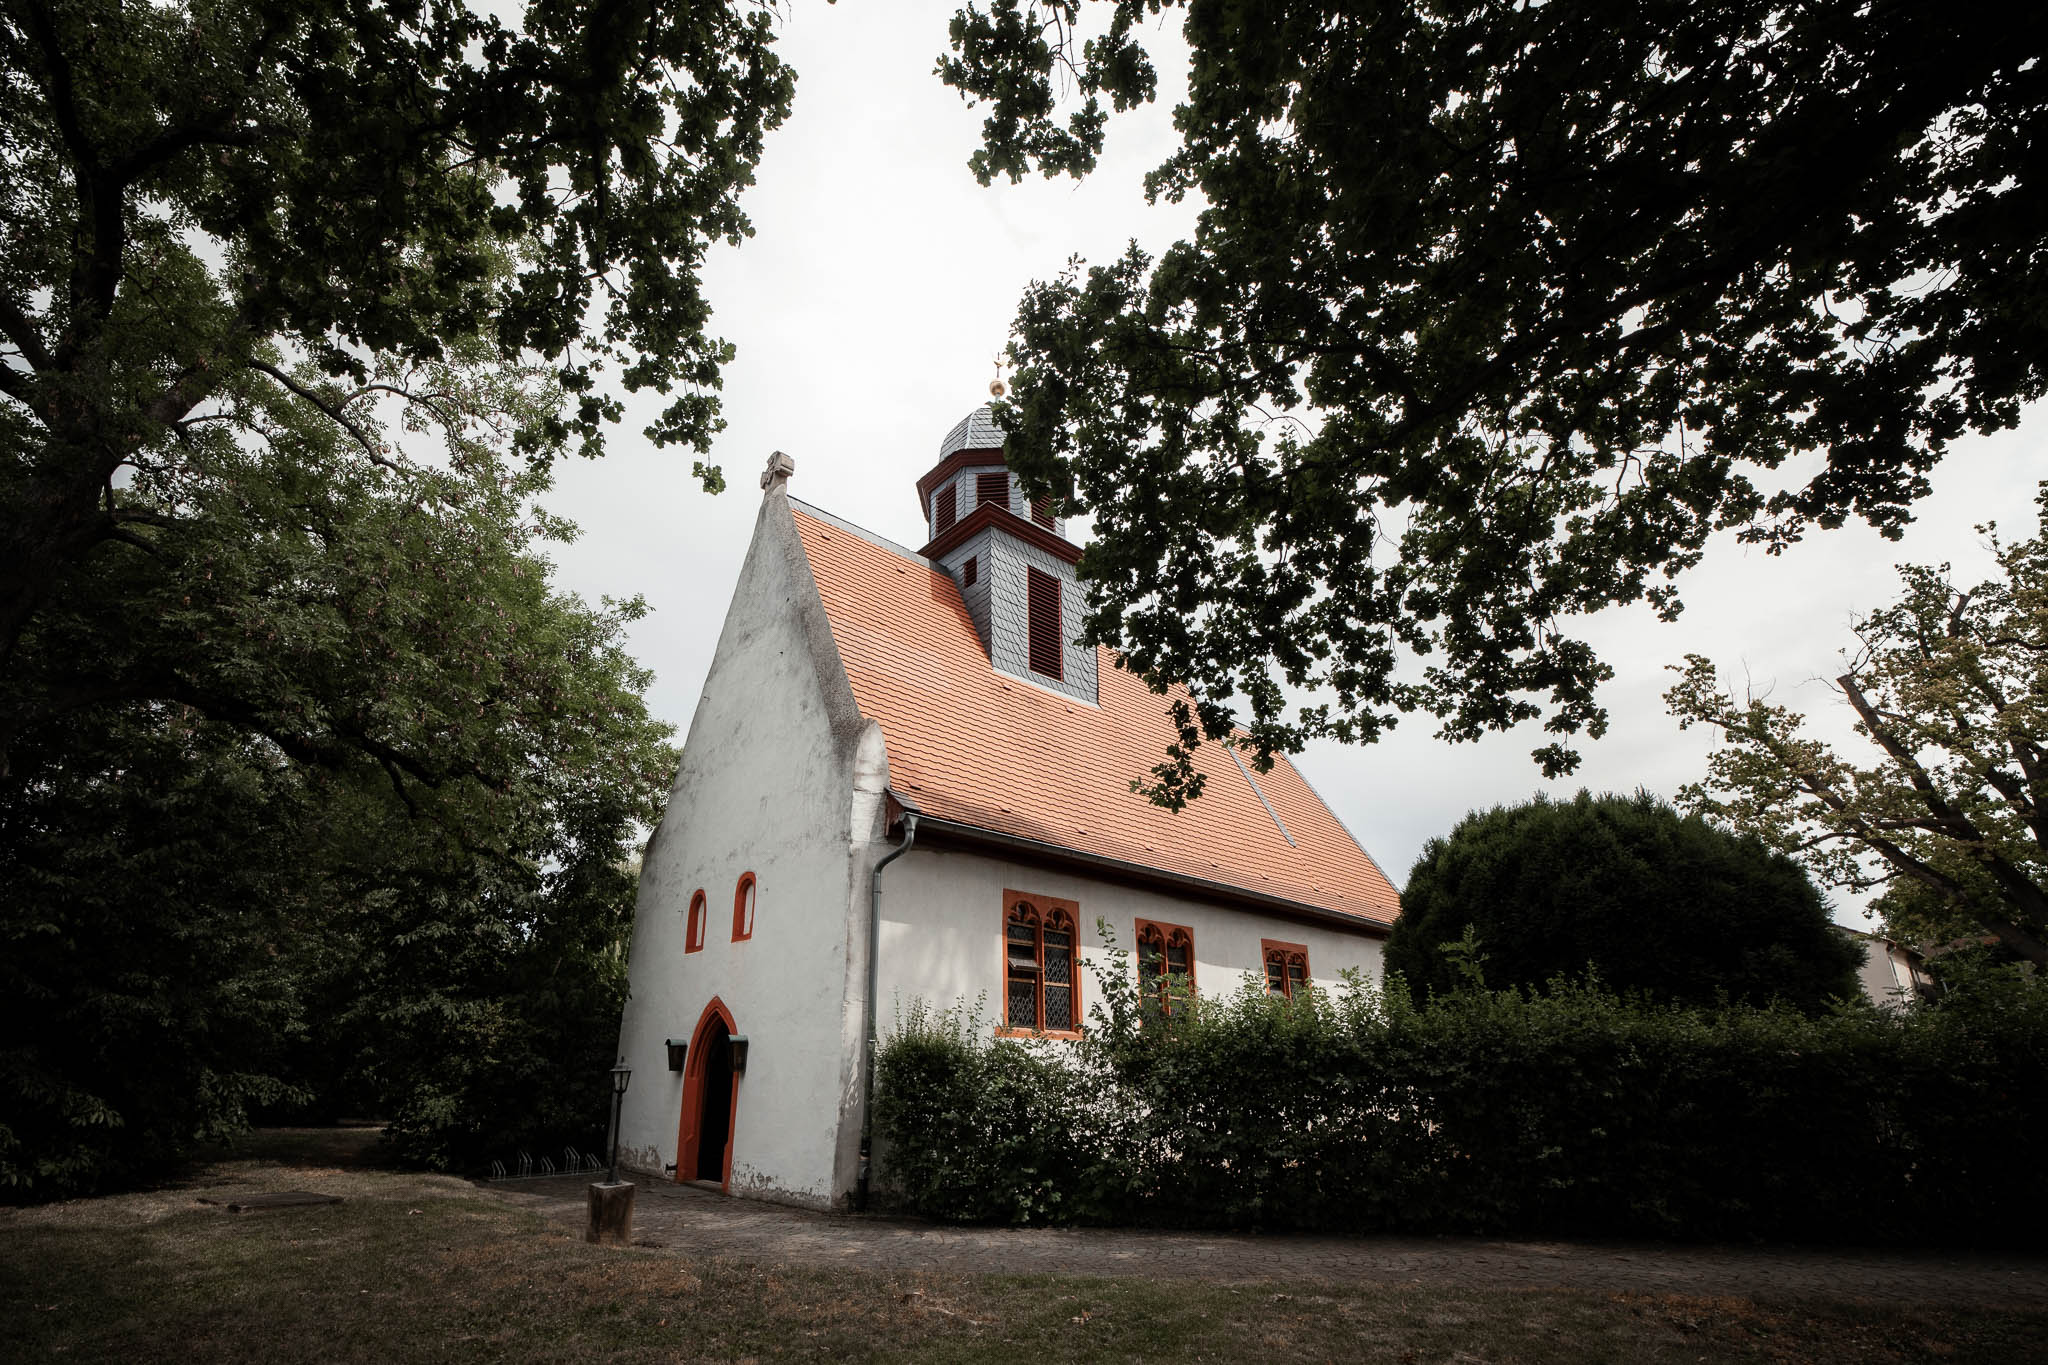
(1042, 613)
(992, 487)
(947, 510)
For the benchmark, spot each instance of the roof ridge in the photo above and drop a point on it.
(875, 539)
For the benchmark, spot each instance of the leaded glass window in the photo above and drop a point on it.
(1023, 974)
(1059, 974)
(1040, 967)
(1166, 965)
(1286, 969)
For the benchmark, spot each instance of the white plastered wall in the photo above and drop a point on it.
(778, 771)
(1886, 975)
(942, 933)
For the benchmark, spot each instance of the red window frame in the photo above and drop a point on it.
(744, 895)
(1158, 944)
(693, 928)
(994, 487)
(1286, 967)
(945, 510)
(1042, 624)
(1032, 964)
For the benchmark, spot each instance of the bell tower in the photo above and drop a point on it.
(1011, 558)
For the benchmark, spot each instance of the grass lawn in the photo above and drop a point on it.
(416, 1268)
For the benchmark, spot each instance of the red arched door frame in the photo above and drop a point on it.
(693, 1099)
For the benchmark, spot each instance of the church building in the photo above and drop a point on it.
(906, 782)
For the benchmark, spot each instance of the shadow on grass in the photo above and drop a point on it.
(345, 1145)
(415, 1267)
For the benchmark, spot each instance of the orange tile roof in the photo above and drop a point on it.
(974, 746)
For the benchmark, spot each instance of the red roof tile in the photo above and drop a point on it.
(974, 746)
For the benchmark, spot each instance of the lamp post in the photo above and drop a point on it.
(611, 1204)
(622, 1076)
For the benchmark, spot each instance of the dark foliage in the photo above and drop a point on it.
(151, 890)
(314, 792)
(1570, 1112)
(1651, 900)
(198, 916)
(207, 199)
(1495, 312)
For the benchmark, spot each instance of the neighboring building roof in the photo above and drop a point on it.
(980, 748)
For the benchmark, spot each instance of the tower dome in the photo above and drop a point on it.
(971, 474)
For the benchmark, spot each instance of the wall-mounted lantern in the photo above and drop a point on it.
(739, 1054)
(676, 1050)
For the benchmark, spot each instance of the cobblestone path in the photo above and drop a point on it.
(701, 1222)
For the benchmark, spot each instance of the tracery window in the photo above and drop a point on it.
(1286, 968)
(1166, 965)
(1041, 965)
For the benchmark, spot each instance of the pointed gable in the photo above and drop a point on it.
(974, 746)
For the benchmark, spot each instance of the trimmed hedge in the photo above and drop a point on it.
(1571, 1111)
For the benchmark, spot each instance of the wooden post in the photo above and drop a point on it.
(611, 1213)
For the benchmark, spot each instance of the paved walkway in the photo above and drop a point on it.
(700, 1222)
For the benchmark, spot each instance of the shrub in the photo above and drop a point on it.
(995, 1132)
(1570, 1111)
(1652, 900)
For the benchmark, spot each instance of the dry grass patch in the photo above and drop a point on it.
(422, 1268)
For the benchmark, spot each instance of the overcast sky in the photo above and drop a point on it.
(867, 311)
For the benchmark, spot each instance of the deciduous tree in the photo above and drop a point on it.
(213, 203)
(1949, 809)
(316, 748)
(1494, 313)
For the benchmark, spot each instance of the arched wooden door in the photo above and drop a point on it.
(710, 1100)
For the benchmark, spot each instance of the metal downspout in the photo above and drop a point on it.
(867, 1070)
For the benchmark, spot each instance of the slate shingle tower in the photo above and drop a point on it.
(1011, 558)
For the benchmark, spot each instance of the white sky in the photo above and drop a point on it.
(867, 311)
